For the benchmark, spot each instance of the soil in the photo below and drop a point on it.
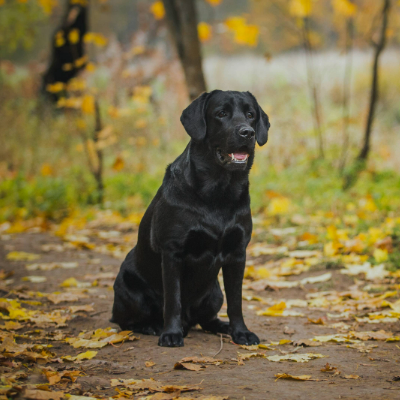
(253, 380)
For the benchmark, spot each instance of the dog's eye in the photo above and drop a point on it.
(221, 114)
(250, 115)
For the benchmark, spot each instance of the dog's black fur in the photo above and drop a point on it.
(198, 222)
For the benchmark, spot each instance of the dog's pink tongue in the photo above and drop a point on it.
(240, 156)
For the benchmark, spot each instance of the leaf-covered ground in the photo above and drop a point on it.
(321, 291)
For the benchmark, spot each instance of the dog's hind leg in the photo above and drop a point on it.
(136, 306)
(206, 313)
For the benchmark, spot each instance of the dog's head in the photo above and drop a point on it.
(230, 123)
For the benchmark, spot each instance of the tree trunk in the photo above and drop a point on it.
(98, 172)
(375, 82)
(361, 160)
(182, 24)
(67, 57)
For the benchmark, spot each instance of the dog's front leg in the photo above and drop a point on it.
(172, 334)
(233, 279)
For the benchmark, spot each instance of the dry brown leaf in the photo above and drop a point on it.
(85, 308)
(57, 298)
(328, 368)
(152, 385)
(318, 321)
(350, 377)
(188, 366)
(54, 377)
(307, 343)
(11, 326)
(369, 335)
(201, 360)
(288, 331)
(149, 364)
(33, 394)
(296, 378)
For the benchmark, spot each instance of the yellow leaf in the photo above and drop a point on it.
(344, 7)
(284, 341)
(48, 5)
(234, 23)
(300, 8)
(70, 282)
(73, 36)
(158, 10)
(214, 3)
(90, 67)
(59, 39)
(34, 279)
(204, 31)
(22, 256)
(75, 85)
(279, 205)
(88, 104)
(381, 255)
(55, 87)
(368, 204)
(96, 38)
(82, 356)
(118, 164)
(141, 94)
(297, 378)
(46, 170)
(331, 248)
(275, 310)
(80, 62)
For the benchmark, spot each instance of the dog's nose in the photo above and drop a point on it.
(247, 132)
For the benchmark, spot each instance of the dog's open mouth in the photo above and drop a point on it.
(239, 157)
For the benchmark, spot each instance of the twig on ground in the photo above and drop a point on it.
(219, 351)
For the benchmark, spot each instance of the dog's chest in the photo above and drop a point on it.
(216, 238)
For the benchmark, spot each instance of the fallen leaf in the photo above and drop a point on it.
(350, 377)
(57, 298)
(54, 377)
(188, 366)
(201, 360)
(22, 256)
(295, 357)
(307, 343)
(149, 364)
(369, 335)
(328, 368)
(51, 266)
(33, 394)
(34, 279)
(294, 377)
(86, 308)
(88, 355)
(318, 321)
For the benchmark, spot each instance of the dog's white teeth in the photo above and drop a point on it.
(233, 157)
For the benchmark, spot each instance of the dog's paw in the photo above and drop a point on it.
(171, 339)
(245, 337)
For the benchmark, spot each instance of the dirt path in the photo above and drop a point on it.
(255, 379)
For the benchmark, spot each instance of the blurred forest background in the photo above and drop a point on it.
(91, 93)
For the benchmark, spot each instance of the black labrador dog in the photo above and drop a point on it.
(198, 222)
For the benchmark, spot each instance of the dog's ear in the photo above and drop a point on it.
(193, 117)
(262, 125)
